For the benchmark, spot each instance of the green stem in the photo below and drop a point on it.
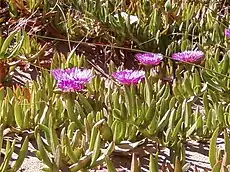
(70, 97)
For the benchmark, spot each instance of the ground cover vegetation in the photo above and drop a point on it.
(106, 76)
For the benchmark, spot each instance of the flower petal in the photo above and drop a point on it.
(128, 77)
(188, 56)
(72, 79)
(149, 58)
(227, 33)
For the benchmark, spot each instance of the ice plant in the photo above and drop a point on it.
(129, 77)
(149, 58)
(227, 33)
(72, 79)
(188, 56)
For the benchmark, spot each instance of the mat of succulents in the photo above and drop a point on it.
(105, 85)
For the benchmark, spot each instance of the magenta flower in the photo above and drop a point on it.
(227, 33)
(69, 86)
(188, 56)
(128, 77)
(149, 58)
(72, 79)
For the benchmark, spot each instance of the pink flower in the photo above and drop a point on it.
(227, 33)
(149, 58)
(188, 56)
(69, 86)
(128, 77)
(72, 79)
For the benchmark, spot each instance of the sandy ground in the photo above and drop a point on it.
(31, 164)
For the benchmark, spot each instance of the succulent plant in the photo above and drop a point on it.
(172, 98)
